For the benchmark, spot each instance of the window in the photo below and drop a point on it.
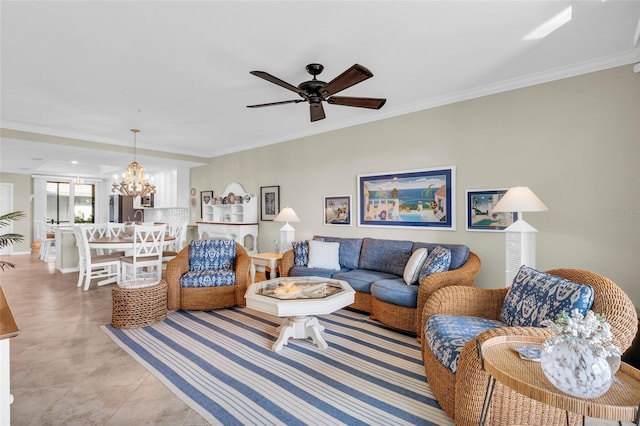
(84, 206)
(65, 200)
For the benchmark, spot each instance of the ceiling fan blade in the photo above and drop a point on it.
(276, 80)
(295, 101)
(353, 75)
(373, 103)
(317, 112)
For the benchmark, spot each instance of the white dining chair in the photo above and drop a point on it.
(179, 232)
(146, 260)
(92, 266)
(47, 240)
(115, 229)
(96, 230)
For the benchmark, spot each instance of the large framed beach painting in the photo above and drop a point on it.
(408, 199)
(480, 202)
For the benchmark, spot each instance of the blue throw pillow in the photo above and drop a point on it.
(438, 260)
(301, 253)
(536, 296)
(212, 254)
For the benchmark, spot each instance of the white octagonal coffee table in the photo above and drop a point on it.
(299, 299)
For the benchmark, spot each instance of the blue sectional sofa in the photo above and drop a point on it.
(376, 269)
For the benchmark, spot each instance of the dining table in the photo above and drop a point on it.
(120, 243)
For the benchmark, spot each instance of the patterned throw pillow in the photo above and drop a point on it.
(301, 253)
(439, 260)
(414, 266)
(212, 254)
(536, 296)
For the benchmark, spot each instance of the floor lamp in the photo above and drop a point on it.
(287, 233)
(520, 236)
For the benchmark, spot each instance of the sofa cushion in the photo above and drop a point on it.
(208, 278)
(448, 334)
(361, 279)
(438, 260)
(385, 255)
(414, 266)
(536, 296)
(396, 292)
(349, 250)
(305, 271)
(211, 254)
(300, 253)
(459, 252)
(324, 255)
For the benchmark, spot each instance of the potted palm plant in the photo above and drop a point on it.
(9, 239)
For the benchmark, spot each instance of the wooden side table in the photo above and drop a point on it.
(620, 402)
(270, 259)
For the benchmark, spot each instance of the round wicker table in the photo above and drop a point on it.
(139, 307)
(504, 364)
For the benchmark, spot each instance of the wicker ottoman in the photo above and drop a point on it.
(139, 307)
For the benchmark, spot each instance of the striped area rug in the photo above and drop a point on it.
(221, 364)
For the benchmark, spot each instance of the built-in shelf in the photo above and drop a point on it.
(234, 205)
(234, 215)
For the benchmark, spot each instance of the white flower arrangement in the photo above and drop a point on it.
(577, 329)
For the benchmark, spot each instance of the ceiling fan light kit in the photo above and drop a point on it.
(315, 91)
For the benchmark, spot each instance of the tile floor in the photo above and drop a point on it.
(66, 371)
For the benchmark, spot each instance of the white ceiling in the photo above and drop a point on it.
(179, 70)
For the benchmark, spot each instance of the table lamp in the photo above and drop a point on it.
(287, 233)
(520, 236)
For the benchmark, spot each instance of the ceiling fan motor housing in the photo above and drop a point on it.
(314, 69)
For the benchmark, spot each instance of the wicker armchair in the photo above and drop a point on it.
(461, 394)
(205, 298)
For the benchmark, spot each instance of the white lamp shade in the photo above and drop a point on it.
(287, 215)
(519, 199)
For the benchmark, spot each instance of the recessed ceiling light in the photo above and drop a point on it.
(74, 162)
(550, 25)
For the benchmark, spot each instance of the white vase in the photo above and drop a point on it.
(576, 369)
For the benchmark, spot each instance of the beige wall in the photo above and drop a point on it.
(21, 201)
(575, 142)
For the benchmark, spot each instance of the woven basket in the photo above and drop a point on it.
(139, 307)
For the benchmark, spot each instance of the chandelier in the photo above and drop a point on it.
(133, 182)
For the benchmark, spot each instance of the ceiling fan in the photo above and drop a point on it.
(315, 91)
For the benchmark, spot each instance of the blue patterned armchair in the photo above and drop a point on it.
(455, 317)
(208, 274)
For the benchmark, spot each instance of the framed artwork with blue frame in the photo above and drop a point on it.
(479, 203)
(423, 199)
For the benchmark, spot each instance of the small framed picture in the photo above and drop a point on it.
(205, 198)
(337, 210)
(269, 202)
(480, 202)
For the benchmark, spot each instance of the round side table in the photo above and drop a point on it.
(504, 364)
